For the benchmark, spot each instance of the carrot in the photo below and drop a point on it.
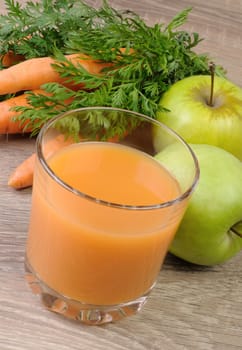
(22, 176)
(10, 58)
(8, 124)
(32, 73)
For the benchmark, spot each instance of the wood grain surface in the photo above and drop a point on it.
(197, 308)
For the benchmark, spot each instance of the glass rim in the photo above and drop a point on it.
(51, 173)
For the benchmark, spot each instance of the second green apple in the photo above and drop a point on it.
(210, 232)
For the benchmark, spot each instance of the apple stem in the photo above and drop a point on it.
(212, 71)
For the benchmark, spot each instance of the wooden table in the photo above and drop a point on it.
(191, 307)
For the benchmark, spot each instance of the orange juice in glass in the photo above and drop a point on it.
(104, 212)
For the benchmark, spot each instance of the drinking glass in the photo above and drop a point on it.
(104, 211)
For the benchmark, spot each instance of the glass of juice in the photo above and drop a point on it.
(104, 211)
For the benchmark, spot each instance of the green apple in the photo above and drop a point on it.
(191, 116)
(210, 232)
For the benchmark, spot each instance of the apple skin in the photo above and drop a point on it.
(204, 236)
(192, 118)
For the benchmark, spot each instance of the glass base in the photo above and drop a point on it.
(85, 313)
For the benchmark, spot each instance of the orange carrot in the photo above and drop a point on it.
(10, 58)
(22, 176)
(8, 124)
(32, 73)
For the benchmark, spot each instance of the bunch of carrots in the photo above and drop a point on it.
(154, 58)
(21, 75)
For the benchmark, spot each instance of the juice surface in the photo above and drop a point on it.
(92, 252)
(114, 173)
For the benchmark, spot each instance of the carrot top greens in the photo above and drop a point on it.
(154, 57)
(34, 29)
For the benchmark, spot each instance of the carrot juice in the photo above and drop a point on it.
(94, 235)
